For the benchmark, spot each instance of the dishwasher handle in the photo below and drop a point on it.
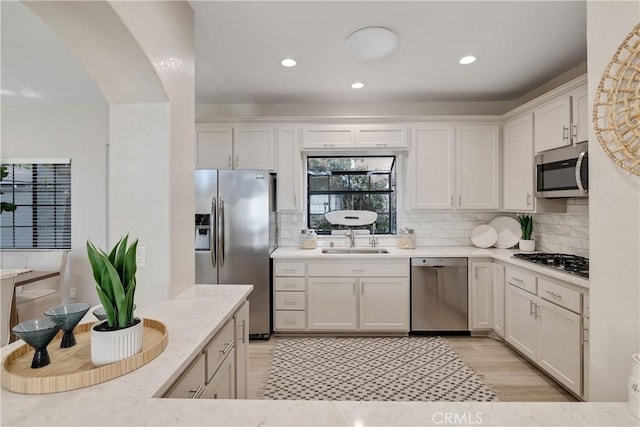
(439, 262)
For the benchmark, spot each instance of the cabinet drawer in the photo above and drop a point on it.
(558, 294)
(521, 279)
(290, 300)
(289, 284)
(289, 269)
(285, 320)
(190, 385)
(218, 348)
(355, 269)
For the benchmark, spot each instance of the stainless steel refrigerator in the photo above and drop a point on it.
(235, 233)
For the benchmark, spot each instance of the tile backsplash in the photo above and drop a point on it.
(565, 232)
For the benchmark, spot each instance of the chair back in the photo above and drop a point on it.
(8, 282)
(47, 260)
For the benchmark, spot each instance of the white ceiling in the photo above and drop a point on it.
(519, 46)
(239, 45)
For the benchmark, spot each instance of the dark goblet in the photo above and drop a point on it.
(68, 316)
(38, 334)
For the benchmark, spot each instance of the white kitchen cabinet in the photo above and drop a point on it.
(384, 304)
(223, 383)
(381, 136)
(560, 344)
(497, 280)
(289, 296)
(234, 147)
(328, 136)
(289, 167)
(521, 325)
(214, 147)
(478, 166)
(562, 120)
(241, 321)
(190, 385)
(432, 167)
(518, 164)
(480, 295)
(332, 303)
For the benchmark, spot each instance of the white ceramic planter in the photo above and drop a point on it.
(112, 346)
(527, 245)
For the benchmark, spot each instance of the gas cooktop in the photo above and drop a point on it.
(572, 264)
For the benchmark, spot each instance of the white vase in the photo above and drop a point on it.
(634, 386)
(112, 346)
(527, 245)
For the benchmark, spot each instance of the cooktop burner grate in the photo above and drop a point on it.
(572, 264)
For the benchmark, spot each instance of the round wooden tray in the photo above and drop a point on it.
(71, 368)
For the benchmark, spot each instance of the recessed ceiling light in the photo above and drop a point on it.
(371, 43)
(470, 59)
(357, 85)
(288, 62)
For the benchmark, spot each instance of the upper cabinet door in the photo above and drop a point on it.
(431, 167)
(381, 136)
(552, 124)
(289, 170)
(254, 148)
(328, 136)
(518, 164)
(580, 115)
(478, 152)
(214, 147)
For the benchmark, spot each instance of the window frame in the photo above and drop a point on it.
(391, 192)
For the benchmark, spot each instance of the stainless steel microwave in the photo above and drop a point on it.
(563, 172)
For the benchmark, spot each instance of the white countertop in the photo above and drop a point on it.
(504, 255)
(192, 319)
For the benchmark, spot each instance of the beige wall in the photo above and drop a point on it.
(615, 226)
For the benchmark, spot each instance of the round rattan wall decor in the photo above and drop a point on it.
(616, 107)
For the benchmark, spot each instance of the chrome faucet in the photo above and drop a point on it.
(372, 241)
(352, 238)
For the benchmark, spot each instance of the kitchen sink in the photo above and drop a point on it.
(354, 251)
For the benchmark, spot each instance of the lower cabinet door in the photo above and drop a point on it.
(241, 319)
(384, 304)
(560, 352)
(521, 327)
(498, 299)
(223, 383)
(332, 303)
(190, 385)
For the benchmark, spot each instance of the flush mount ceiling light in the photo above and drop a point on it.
(288, 62)
(357, 85)
(371, 43)
(466, 60)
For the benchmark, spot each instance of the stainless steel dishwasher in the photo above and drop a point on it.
(439, 295)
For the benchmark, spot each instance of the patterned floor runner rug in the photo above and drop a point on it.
(401, 369)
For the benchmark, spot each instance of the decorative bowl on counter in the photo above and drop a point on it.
(38, 334)
(68, 316)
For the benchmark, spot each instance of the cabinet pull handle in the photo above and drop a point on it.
(229, 161)
(517, 280)
(289, 270)
(197, 392)
(530, 308)
(574, 133)
(528, 199)
(289, 302)
(381, 145)
(237, 160)
(295, 200)
(242, 326)
(228, 347)
(537, 307)
(451, 199)
(354, 287)
(553, 294)
(459, 200)
(327, 145)
(357, 271)
(361, 288)
(565, 133)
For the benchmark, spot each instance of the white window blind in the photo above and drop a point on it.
(42, 195)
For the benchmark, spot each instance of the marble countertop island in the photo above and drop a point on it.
(192, 319)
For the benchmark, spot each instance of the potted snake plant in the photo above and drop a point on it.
(526, 244)
(120, 335)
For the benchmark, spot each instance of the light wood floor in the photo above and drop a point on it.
(512, 377)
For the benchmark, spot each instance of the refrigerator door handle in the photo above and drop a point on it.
(213, 221)
(221, 232)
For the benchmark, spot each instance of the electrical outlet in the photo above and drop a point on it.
(141, 256)
(72, 293)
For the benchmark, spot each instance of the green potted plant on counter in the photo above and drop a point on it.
(120, 335)
(526, 244)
